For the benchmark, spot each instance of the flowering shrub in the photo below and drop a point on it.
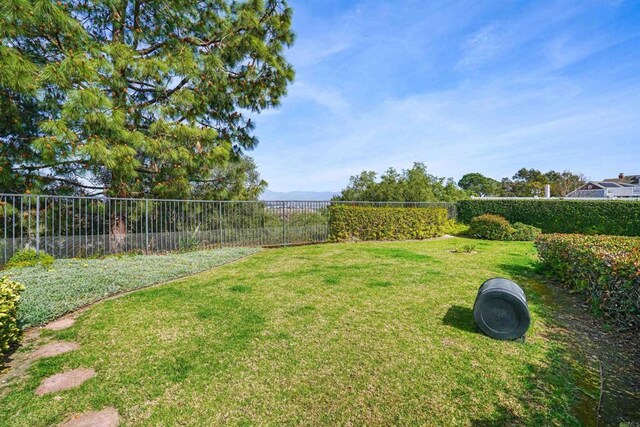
(605, 269)
(10, 334)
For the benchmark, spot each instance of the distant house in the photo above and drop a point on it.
(623, 187)
(625, 179)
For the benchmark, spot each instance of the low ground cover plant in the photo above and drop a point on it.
(464, 249)
(496, 227)
(612, 217)
(604, 269)
(385, 223)
(29, 258)
(10, 334)
(72, 283)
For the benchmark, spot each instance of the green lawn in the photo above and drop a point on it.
(364, 334)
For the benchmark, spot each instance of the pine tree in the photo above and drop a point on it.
(237, 180)
(134, 97)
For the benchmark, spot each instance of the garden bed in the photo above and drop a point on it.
(72, 283)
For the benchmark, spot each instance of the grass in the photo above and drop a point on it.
(365, 334)
(68, 284)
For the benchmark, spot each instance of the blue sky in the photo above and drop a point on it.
(463, 86)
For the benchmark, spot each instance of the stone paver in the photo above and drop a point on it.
(64, 381)
(55, 348)
(60, 324)
(108, 417)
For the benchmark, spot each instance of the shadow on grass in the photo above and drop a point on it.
(504, 417)
(561, 380)
(461, 318)
(516, 271)
(548, 386)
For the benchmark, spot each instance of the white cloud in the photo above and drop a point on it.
(494, 129)
(328, 98)
(483, 46)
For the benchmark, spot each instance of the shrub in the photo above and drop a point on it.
(525, 232)
(455, 228)
(604, 269)
(490, 227)
(30, 258)
(613, 217)
(385, 223)
(10, 334)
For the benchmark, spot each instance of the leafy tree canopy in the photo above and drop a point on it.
(477, 184)
(237, 180)
(410, 185)
(531, 182)
(134, 97)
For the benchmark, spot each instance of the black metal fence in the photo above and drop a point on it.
(69, 227)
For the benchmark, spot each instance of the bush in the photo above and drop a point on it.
(490, 227)
(385, 223)
(525, 232)
(613, 217)
(455, 228)
(30, 258)
(10, 334)
(604, 269)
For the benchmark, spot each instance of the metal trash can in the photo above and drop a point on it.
(501, 309)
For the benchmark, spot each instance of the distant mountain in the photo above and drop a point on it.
(298, 195)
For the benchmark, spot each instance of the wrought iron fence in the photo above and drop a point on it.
(69, 226)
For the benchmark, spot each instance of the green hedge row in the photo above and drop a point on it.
(612, 217)
(10, 334)
(605, 269)
(385, 223)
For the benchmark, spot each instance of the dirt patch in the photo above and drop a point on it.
(65, 381)
(108, 417)
(614, 358)
(60, 324)
(54, 349)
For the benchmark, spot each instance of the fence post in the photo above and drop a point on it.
(220, 221)
(146, 227)
(37, 225)
(284, 226)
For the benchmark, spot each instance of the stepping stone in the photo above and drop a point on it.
(55, 348)
(60, 324)
(108, 417)
(65, 381)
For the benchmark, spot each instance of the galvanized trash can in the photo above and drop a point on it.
(501, 309)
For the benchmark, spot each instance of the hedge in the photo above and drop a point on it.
(613, 217)
(604, 269)
(385, 223)
(10, 334)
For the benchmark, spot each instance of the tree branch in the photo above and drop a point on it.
(165, 95)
